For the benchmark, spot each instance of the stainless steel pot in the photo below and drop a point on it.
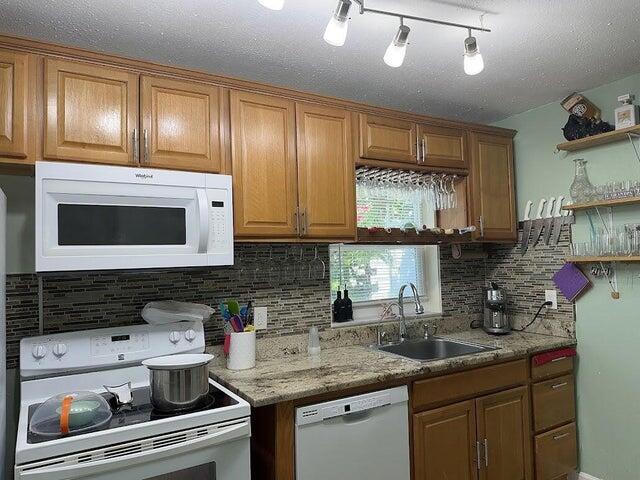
(178, 382)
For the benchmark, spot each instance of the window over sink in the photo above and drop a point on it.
(373, 274)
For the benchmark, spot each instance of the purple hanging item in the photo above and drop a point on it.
(571, 281)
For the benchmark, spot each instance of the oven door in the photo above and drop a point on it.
(217, 452)
(108, 225)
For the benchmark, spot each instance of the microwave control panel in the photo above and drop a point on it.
(220, 229)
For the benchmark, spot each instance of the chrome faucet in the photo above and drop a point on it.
(419, 308)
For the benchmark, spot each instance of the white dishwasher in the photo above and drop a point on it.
(361, 437)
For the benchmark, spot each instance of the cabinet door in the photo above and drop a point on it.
(444, 443)
(383, 138)
(14, 104)
(493, 189)
(325, 172)
(181, 124)
(442, 147)
(263, 158)
(504, 433)
(91, 114)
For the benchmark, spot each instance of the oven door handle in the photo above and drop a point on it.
(203, 216)
(118, 464)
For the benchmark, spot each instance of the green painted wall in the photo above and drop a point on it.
(608, 331)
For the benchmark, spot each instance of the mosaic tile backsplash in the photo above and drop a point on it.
(291, 286)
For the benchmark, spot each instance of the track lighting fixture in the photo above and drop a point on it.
(473, 62)
(397, 49)
(272, 4)
(336, 32)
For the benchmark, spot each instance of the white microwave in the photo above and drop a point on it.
(94, 217)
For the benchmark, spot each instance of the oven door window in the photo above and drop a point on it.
(201, 472)
(90, 225)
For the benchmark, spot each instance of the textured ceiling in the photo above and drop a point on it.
(539, 50)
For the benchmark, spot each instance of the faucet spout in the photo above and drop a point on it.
(419, 309)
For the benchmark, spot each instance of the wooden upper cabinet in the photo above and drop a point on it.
(263, 157)
(444, 443)
(504, 434)
(442, 147)
(492, 188)
(91, 112)
(326, 188)
(181, 125)
(16, 104)
(383, 138)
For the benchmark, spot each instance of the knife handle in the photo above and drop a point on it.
(527, 210)
(541, 207)
(550, 207)
(559, 201)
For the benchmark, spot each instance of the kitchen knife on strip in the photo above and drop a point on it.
(557, 221)
(538, 222)
(526, 228)
(548, 221)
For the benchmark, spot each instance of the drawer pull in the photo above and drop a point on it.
(558, 437)
(478, 454)
(486, 452)
(558, 359)
(559, 385)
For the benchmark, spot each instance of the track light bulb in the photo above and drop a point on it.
(397, 49)
(473, 62)
(336, 32)
(272, 4)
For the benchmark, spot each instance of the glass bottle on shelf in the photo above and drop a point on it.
(581, 189)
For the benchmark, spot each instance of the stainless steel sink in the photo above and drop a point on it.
(434, 348)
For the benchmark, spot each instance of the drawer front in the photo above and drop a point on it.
(554, 402)
(556, 452)
(451, 387)
(553, 368)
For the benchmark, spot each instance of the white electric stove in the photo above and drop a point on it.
(208, 443)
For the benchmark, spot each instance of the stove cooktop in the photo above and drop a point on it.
(139, 411)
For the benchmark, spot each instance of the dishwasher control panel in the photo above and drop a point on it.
(349, 405)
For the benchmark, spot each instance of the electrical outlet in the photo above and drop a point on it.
(260, 318)
(551, 296)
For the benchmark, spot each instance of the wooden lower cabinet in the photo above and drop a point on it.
(556, 453)
(504, 432)
(486, 439)
(444, 443)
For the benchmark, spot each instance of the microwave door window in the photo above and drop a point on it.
(80, 225)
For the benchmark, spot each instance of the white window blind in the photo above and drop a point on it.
(375, 272)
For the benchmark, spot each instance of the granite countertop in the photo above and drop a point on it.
(297, 376)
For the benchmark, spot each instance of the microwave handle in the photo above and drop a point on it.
(87, 470)
(203, 215)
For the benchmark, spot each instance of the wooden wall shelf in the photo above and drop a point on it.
(410, 237)
(603, 203)
(589, 259)
(597, 140)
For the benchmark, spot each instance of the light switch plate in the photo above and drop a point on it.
(551, 296)
(260, 318)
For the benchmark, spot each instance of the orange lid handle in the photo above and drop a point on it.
(64, 414)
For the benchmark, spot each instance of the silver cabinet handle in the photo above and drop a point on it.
(557, 359)
(303, 220)
(559, 385)
(486, 452)
(558, 437)
(482, 226)
(145, 137)
(417, 148)
(136, 146)
(424, 150)
(296, 219)
(478, 455)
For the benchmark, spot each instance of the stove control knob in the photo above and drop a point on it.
(190, 335)
(174, 337)
(39, 352)
(59, 349)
